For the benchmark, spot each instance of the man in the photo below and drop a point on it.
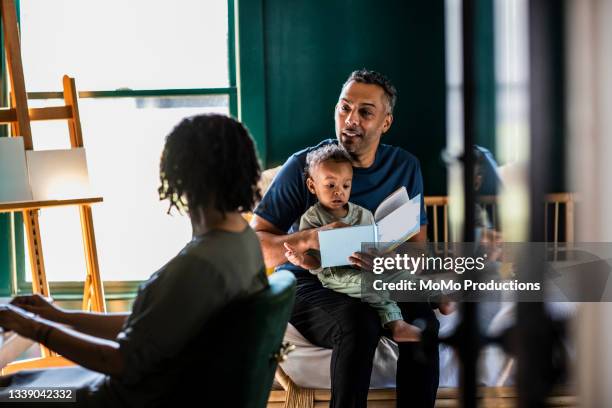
(364, 112)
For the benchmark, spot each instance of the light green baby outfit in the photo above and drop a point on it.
(345, 279)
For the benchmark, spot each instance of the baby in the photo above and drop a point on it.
(329, 174)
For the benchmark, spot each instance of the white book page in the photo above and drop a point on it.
(338, 244)
(402, 223)
(391, 203)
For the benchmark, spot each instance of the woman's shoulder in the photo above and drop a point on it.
(222, 253)
(218, 243)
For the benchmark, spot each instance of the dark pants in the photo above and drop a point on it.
(352, 329)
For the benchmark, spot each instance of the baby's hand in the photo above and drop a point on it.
(293, 256)
(333, 225)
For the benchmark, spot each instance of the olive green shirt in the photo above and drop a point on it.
(317, 216)
(174, 305)
(170, 320)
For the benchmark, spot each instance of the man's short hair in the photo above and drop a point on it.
(329, 152)
(366, 76)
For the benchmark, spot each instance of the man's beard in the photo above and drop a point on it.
(353, 136)
(350, 148)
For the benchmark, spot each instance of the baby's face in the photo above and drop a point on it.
(331, 182)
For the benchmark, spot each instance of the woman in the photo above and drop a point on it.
(208, 168)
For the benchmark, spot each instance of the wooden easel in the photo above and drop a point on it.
(19, 117)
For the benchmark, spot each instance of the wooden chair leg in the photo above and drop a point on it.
(295, 396)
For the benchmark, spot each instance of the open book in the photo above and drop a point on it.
(397, 219)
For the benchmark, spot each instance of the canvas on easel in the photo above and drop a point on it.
(14, 184)
(58, 174)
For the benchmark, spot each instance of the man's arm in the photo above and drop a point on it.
(273, 239)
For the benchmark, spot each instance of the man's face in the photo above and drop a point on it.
(362, 116)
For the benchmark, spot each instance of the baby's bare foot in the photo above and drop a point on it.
(404, 332)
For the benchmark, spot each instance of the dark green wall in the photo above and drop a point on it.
(484, 64)
(559, 181)
(310, 47)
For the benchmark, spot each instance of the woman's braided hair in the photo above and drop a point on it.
(209, 160)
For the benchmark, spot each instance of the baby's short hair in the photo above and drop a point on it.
(325, 153)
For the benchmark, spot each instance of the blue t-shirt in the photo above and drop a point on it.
(288, 197)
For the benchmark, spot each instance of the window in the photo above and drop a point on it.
(511, 79)
(511, 105)
(140, 67)
(113, 44)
